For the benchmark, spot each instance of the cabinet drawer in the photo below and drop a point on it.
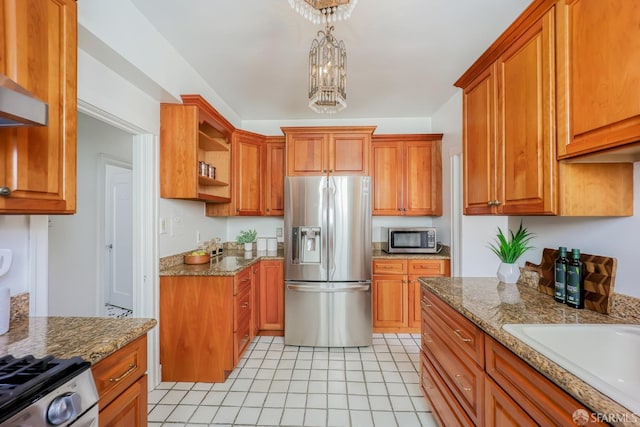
(428, 267)
(446, 409)
(118, 371)
(390, 266)
(544, 401)
(242, 281)
(242, 308)
(463, 376)
(456, 328)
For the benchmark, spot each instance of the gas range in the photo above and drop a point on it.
(47, 392)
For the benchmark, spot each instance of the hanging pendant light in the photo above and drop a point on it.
(327, 73)
(324, 11)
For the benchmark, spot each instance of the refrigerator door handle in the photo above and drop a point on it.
(331, 213)
(356, 287)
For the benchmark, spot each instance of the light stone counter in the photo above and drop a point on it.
(491, 304)
(228, 264)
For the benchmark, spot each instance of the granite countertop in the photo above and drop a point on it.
(228, 264)
(380, 254)
(91, 338)
(491, 304)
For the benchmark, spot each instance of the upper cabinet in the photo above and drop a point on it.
(247, 171)
(274, 176)
(38, 50)
(598, 75)
(510, 137)
(195, 156)
(407, 174)
(328, 150)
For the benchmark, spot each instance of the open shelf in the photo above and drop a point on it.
(210, 182)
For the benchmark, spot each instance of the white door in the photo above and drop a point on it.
(118, 236)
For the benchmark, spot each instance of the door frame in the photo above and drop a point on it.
(146, 302)
(105, 160)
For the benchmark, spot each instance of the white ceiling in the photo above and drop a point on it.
(403, 56)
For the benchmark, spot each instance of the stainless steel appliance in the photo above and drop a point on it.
(327, 225)
(19, 107)
(410, 240)
(47, 392)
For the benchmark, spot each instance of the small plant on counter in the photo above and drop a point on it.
(247, 236)
(509, 250)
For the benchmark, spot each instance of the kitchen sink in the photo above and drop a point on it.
(605, 356)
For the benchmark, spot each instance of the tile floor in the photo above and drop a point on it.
(278, 385)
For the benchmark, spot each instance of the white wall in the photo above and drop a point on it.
(14, 235)
(73, 239)
(615, 237)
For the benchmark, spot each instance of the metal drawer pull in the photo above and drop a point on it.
(457, 332)
(457, 378)
(426, 337)
(132, 367)
(245, 304)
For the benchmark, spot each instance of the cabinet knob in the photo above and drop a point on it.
(5, 191)
(268, 209)
(324, 171)
(330, 170)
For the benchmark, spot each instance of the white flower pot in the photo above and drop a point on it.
(508, 273)
(248, 246)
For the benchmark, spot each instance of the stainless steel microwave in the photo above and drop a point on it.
(411, 240)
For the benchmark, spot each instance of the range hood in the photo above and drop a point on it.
(18, 107)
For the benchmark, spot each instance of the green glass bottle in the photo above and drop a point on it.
(561, 276)
(575, 281)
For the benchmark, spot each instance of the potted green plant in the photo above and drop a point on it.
(509, 250)
(247, 237)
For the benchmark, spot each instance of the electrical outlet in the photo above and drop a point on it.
(197, 237)
(279, 232)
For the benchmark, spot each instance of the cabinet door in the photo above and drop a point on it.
(479, 172)
(349, 153)
(501, 410)
(599, 56)
(272, 295)
(248, 173)
(39, 51)
(129, 409)
(387, 177)
(414, 305)
(307, 154)
(274, 177)
(526, 140)
(422, 180)
(390, 301)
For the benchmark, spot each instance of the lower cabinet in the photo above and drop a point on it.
(396, 291)
(121, 381)
(271, 295)
(471, 379)
(205, 325)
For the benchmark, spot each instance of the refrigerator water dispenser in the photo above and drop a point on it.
(307, 245)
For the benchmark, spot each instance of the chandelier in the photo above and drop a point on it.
(327, 73)
(324, 11)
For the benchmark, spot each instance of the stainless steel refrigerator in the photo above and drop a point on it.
(327, 224)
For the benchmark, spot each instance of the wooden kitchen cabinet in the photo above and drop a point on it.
(190, 133)
(205, 325)
(407, 174)
(271, 295)
(510, 137)
(38, 50)
(396, 292)
(471, 379)
(328, 150)
(121, 382)
(247, 170)
(598, 56)
(274, 176)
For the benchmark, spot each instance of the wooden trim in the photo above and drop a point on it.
(528, 17)
(395, 137)
(216, 119)
(327, 129)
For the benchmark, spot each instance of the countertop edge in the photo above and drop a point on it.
(571, 384)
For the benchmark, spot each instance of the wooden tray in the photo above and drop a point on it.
(598, 283)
